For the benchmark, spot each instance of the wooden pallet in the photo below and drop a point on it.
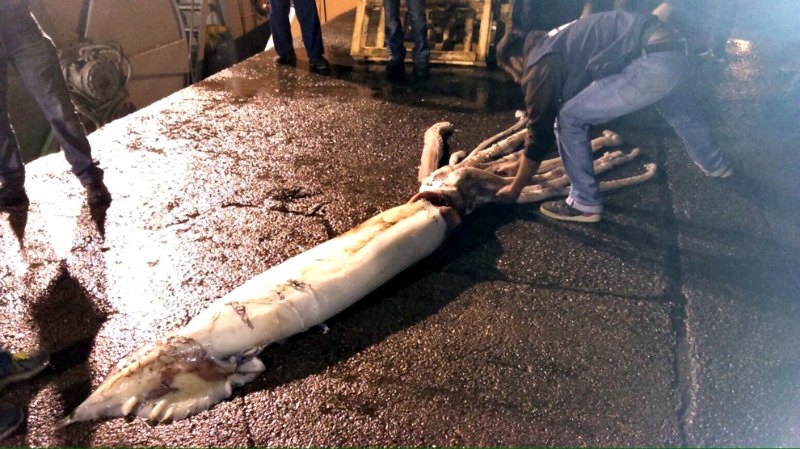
(460, 32)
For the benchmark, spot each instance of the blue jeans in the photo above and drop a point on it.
(394, 30)
(24, 44)
(310, 29)
(651, 79)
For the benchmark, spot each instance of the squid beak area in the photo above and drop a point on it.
(451, 216)
(446, 204)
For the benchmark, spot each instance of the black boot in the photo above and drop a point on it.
(92, 181)
(421, 70)
(290, 59)
(12, 193)
(97, 193)
(319, 64)
(395, 69)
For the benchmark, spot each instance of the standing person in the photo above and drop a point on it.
(13, 368)
(24, 44)
(395, 37)
(309, 28)
(591, 71)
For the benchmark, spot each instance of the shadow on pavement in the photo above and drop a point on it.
(68, 321)
(18, 220)
(68, 316)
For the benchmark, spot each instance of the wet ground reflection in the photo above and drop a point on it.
(448, 88)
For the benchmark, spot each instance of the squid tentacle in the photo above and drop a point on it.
(433, 148)
(475, 180)
(522, 121)
(560, 186)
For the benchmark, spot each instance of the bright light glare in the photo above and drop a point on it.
(740, 47)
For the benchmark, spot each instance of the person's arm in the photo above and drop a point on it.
(509, 193)
(542, 87)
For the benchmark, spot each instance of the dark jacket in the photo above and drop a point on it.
(567, 59)
(593, 47)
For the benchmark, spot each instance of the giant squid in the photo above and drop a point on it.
(200, 364)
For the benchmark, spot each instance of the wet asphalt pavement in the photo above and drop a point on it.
(673, 322)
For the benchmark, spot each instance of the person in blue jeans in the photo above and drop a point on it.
(25, 46)
(310, 29)
(15, 367)
(395, 37)
(591, 71)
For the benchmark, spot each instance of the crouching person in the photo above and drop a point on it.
(590, 71)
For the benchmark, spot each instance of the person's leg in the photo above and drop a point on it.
(36, 60)
(682, 113)
(641, 83)
(309, 27)
(393, 31)
(281, 30)
(419, 26)
(12, 170)
(574, 148)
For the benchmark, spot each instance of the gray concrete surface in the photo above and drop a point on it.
(673, 322)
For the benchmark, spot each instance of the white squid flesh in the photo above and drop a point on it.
(217, 350)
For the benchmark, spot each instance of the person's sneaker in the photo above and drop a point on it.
(713, 56)
(97, 193)
(727, 173)
(560, 210)
(290, 59)
(24, 366)
(722, 172)
(11, 416)
(395, 68)
(319, 64)
(12, 194)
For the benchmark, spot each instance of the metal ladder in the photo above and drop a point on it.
(194, 16)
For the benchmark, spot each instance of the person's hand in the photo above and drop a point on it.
(505, 168)
(508, 194)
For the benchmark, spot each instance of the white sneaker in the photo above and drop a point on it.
(723, 172)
